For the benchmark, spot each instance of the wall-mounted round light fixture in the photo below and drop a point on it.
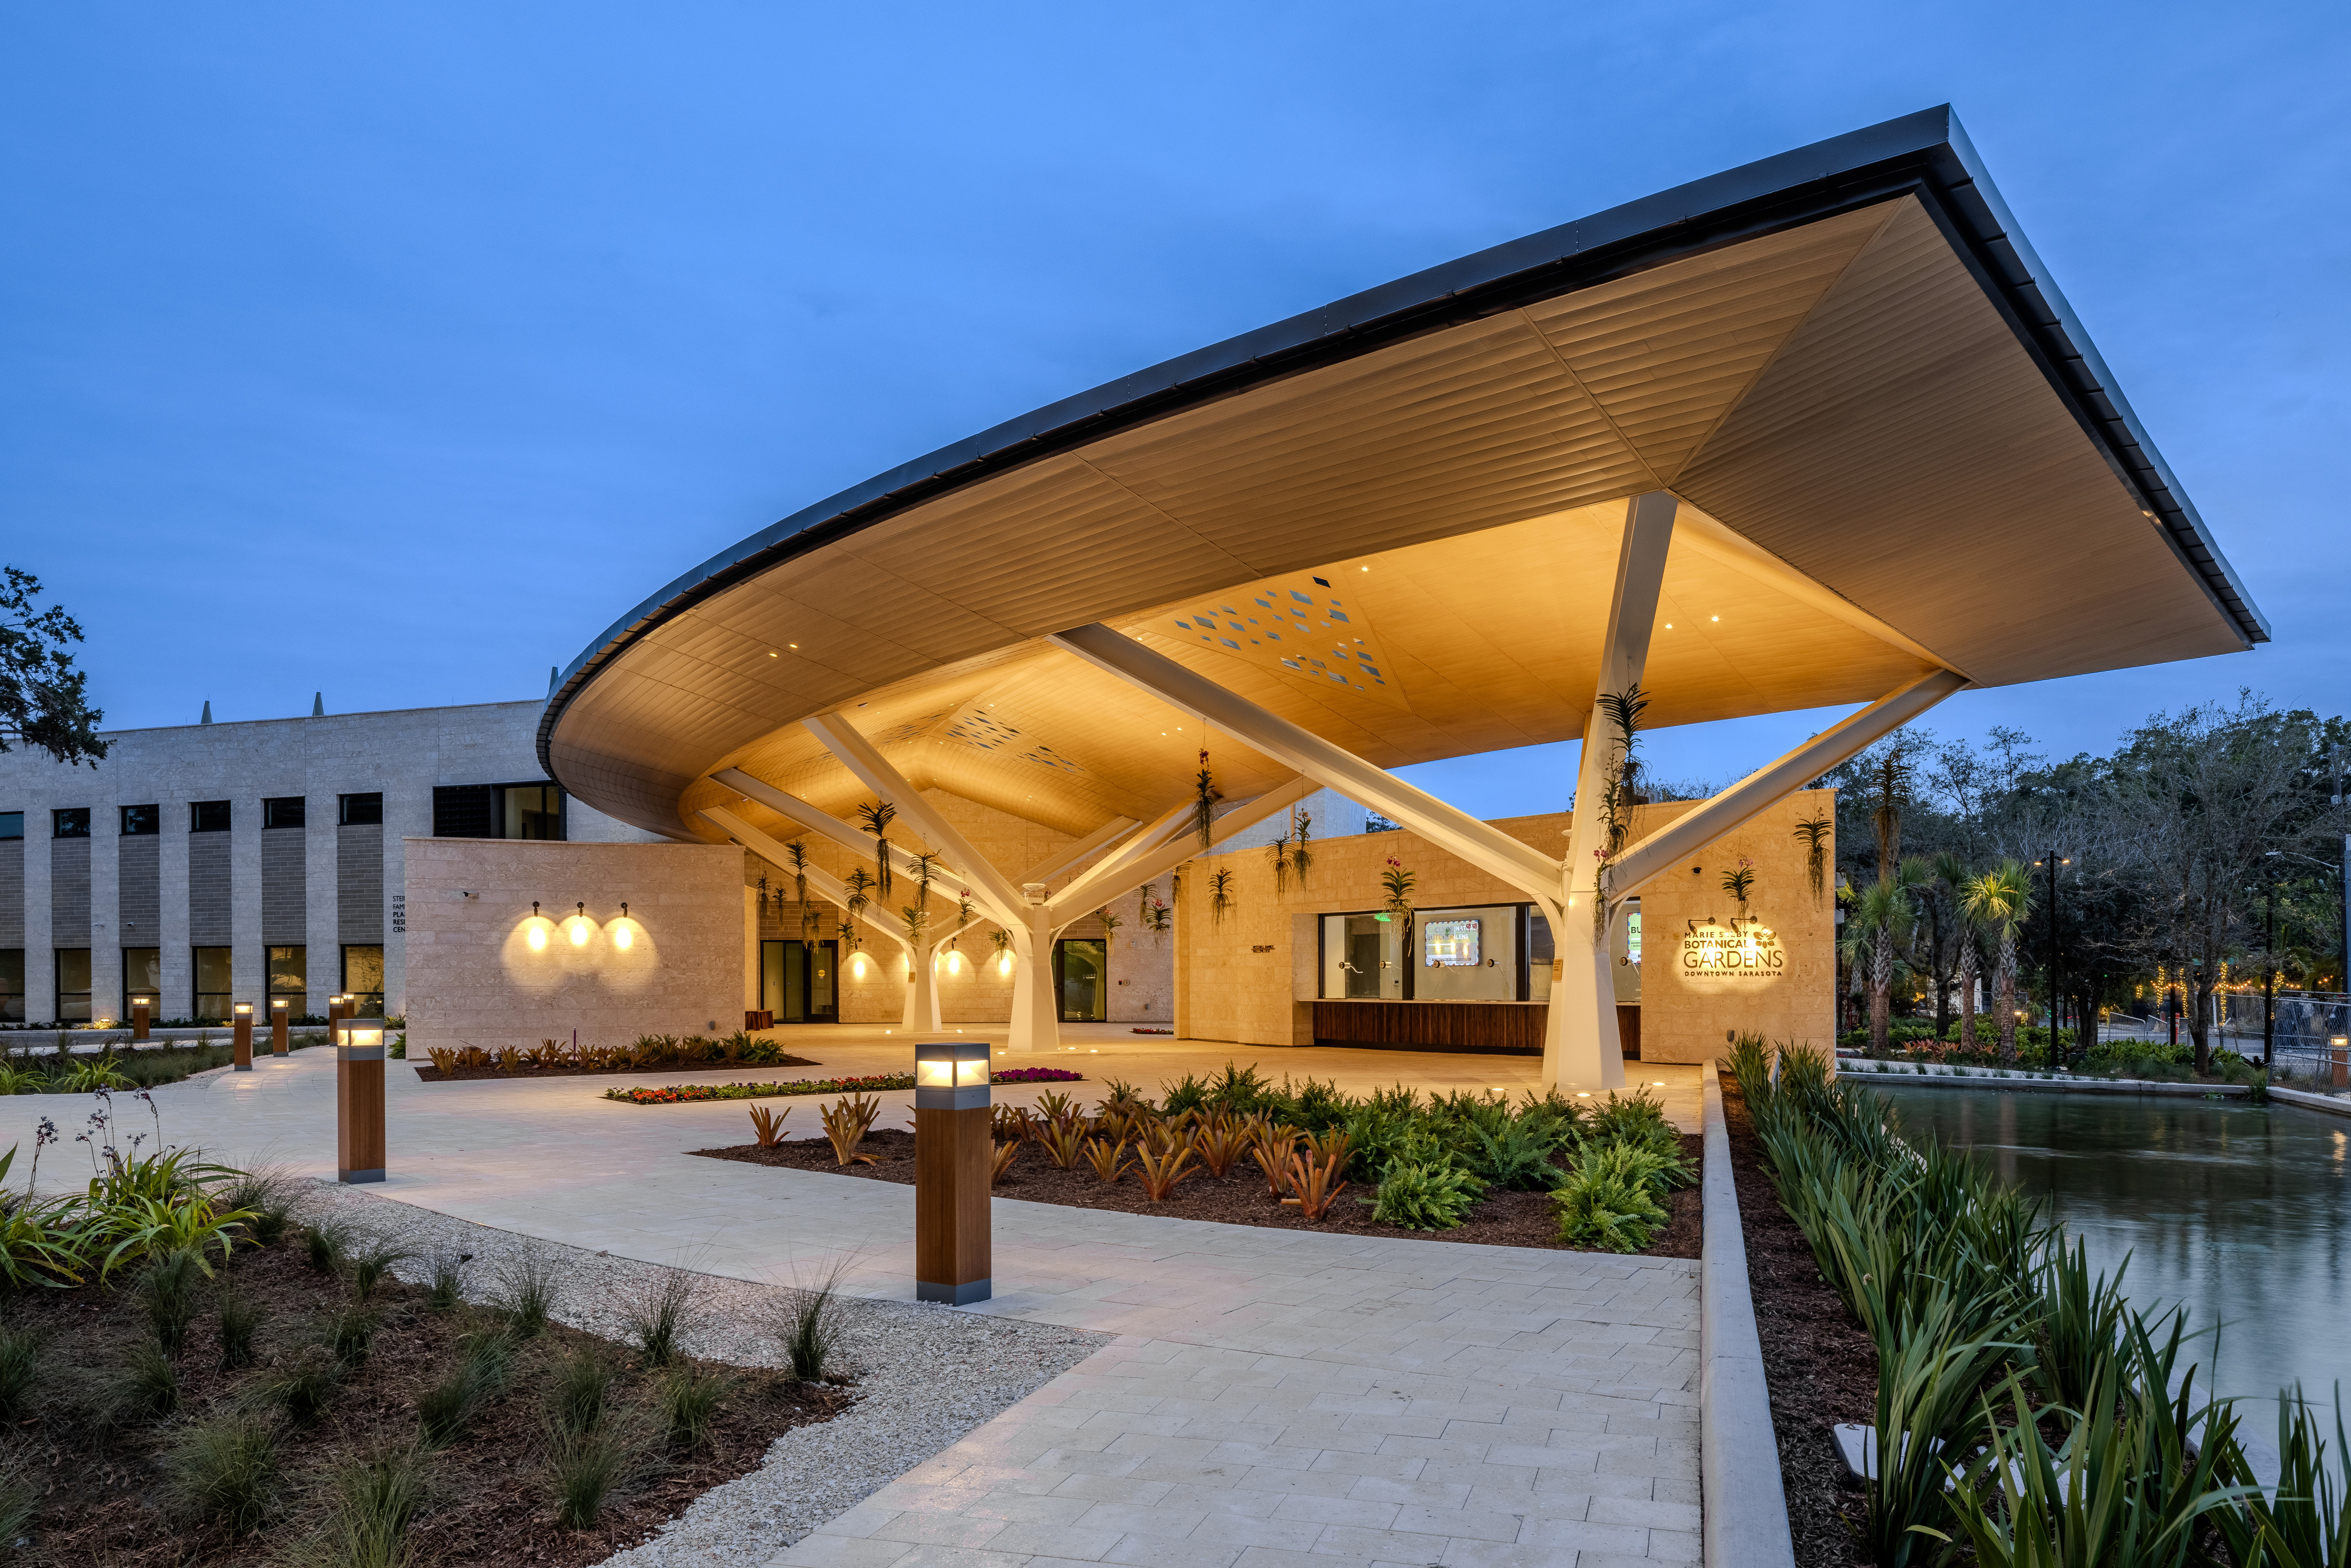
(857, 965)
(954, 963)
(581, 927)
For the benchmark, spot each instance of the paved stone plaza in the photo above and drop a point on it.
(1269, 1391)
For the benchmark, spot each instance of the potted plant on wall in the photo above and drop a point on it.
(1395, 892)
(1740, 882)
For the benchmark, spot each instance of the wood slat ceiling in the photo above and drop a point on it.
(1842, 394)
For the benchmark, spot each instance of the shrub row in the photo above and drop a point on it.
(689, 1093)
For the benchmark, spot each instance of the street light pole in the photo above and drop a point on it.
(2051, 860)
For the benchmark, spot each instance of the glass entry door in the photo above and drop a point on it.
(798, 981)
(1081, 978)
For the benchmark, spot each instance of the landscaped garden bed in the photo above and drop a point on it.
(192, 1372)
(871, 1083)
(649, 1053)
(67, 1071)
(1465, 1167)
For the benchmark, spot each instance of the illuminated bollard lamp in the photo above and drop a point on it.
(241, 1035)
(359, 1100)
(954, 1150)
(279, 1013)
(143, 1013)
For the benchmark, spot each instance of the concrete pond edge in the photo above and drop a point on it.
(1744, 1506)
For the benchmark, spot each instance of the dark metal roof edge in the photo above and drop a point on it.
(2091, 386)
(1772, 193)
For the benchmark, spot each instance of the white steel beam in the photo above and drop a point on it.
(1098, 887)
(820, 820)
(824, 884)
(1161, 830)
(1695, 828)
(1448, 827)
(989, 887)
(1062, 859)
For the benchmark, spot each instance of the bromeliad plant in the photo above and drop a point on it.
(1221, 901)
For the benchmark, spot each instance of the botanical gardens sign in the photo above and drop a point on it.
(1745, 952)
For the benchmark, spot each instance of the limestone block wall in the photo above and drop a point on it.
(473, 978)
(1251, 978)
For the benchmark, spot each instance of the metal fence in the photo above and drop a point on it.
(2305, 1021)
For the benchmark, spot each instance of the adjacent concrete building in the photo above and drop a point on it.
(208, 864)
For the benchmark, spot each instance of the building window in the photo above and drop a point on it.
(73, 984)
(289, 976)
(363, 979)
(12, 824)
(141, 821)
(530, 811)
(499, 812)
(208, 817)
(143, 975)
(212, 984)
(362, 810)
(283, 811)
(70, 822)
(12, 984)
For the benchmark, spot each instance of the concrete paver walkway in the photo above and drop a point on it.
(1273, 1396)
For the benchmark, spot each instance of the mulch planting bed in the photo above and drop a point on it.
(103, 1497)
(432, 1075)
(1818, 1362)
(1499, 1218)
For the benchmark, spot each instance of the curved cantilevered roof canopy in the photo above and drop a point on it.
(1394, 520)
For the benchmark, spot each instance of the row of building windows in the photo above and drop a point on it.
(203, 817)
(459, 811)
(287, 971)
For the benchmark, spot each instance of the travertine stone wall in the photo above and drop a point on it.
(207, 889)
(474, 979)
(1251, 979)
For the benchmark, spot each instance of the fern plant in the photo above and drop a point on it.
(1426, 1196)
(1605, 1209)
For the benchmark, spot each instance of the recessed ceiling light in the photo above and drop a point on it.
(1713, 617)
(773, 654)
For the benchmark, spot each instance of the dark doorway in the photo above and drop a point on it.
(1081, 978)
(798, 981)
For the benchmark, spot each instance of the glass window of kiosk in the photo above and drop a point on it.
(1467, 954)
(1363, 957)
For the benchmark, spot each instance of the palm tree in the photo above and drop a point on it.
(1999, 901)
(1966, 963)
(1879, 924)
(1948, 878)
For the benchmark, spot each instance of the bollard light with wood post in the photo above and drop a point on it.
(143, 1013)
(359, 1100)
(241, 1035)
(953, 1146)
(279, 1014)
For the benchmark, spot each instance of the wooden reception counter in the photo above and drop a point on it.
(1485, 1028)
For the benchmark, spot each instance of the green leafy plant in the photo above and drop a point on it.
(485, 1365)
(2306, 1521)
(689, 1396)
(22, 1367)
(350, 1330)
(240, 1320)
(812, 1324)
(583, 1470)
(225, 1472)
(579, 1391)
(660, 1309)
(1740, 882)
(305, 1385)
(369, 1268)
(370, 1505)
(1301, 858)
(1603, 1207)
(168, 1291)
(528, 1282)
(1277, 852)
(876, 819)
(1425, 1196)
(148, 1386)
(1205, 796)
(1813, 833)
(1222, 900)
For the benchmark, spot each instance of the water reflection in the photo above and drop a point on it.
(2240, 1212)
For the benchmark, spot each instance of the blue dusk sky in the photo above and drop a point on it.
(394, 351)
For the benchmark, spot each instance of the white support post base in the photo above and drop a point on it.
(922, 1016)
(1036, 1011)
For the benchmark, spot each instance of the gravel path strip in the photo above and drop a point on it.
(925, 1376)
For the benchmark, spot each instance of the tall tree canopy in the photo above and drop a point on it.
(43, 703)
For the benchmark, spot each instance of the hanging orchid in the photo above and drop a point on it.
(1158, 917)
(1301, 859)
(877, 818)
(963, 916)
(848, 934)
(915, 918)
(1396, 887)
(1221, 901)
(1812, 832)
(1110, 922)
(1281, 848)
(926, 865)
(1622, 710)
(859, 884)
(1740, 882)
(1204, 803)
(796, 852)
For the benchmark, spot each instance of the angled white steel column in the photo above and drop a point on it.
(922, 1009)
(1448, 827)
(1097, 888)
(1841, 742)
(1581, 1049)
(819, 821)
(1062, 859)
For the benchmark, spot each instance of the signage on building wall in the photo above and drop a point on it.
(400, 911)
(1743, 952)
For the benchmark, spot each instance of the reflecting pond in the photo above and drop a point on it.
(2241, 1212)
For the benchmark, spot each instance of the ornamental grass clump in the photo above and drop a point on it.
(240, 1321)
(367, 1506)
(224, 1472)
(168, 1291)
(485, 1365)
(688, 1398)
(660, 1309)
(811, 1324)
(21, 1370)
(527, 1286)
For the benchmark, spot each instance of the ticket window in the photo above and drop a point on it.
(1467, 954)
(1624, 955)
(1363, 957)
